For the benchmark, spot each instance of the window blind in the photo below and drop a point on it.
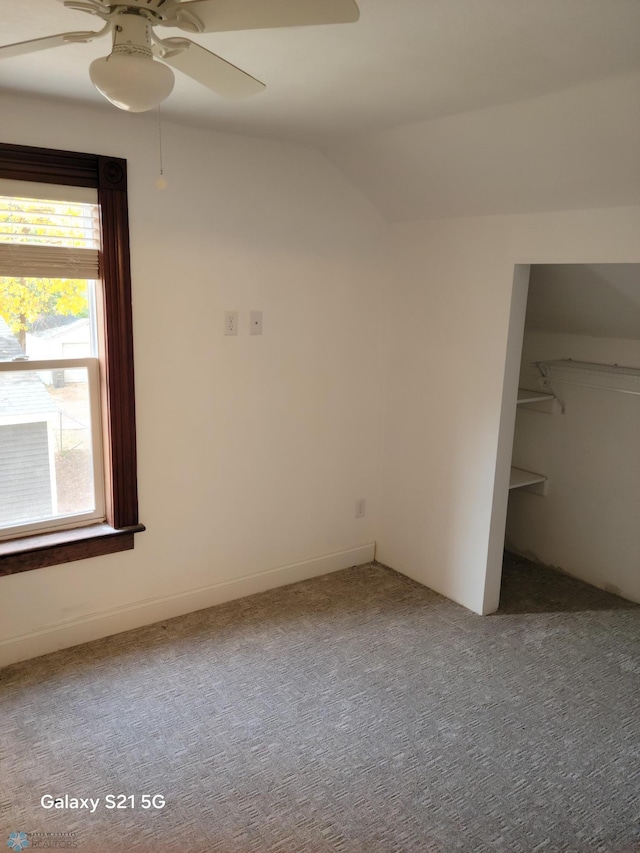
(49, 223)
(45, 238)
(19, 261)
(48, 192)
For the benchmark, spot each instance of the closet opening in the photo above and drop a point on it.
(569, 429)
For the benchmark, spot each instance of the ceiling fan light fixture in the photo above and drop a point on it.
(133, 82)
(130, 78)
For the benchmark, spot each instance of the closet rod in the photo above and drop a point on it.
(610, 377)
(546, 383)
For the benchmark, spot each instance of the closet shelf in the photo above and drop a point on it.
(521, 479)
(588, 374)
(589, 367)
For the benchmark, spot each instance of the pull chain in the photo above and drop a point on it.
(161, 182)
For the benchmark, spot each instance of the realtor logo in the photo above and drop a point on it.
(50, 840)
(18, 841)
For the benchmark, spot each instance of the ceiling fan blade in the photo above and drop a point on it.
(212, 71)
(33, 45)
(222, 15)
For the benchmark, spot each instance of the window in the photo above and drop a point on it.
(51, 462)
(67, 421)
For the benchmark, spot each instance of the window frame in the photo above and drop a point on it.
(108, 175)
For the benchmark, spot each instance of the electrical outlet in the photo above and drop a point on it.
(361, 508)
(255, 322)
(231, 322)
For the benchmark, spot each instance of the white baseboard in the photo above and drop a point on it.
(108, 622)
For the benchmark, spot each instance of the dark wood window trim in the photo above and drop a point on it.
(109, 176)
(66, 546)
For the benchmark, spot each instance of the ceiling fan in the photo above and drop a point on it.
(132, 79)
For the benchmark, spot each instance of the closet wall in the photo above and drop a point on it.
(587, 524)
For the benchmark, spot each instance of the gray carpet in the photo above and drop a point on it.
(353, 712)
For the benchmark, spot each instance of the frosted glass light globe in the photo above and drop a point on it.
(132, 82)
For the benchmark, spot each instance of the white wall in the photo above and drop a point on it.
(568, 150)
(252, 450)
(442, 520)
(587, 524)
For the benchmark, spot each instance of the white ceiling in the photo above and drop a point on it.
(405, 61)
(597, 300)
(572, 149)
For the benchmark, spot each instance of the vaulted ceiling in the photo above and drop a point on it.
(596, 300)
(405, 61)
(431, 107)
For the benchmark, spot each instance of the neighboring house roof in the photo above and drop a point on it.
(24, 394)
(21, 393)
(9, 346)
